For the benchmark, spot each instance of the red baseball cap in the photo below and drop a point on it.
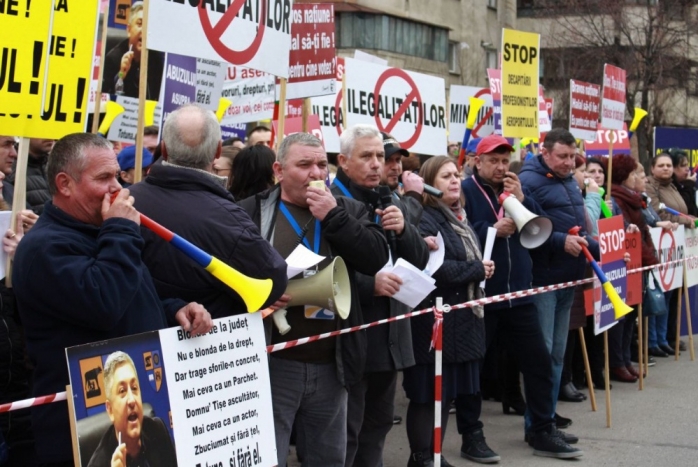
(492, 142)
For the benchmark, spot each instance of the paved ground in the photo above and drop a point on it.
(654, 427)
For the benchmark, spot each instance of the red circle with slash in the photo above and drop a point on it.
(215, 32)
(413, 95)
(664, 276)
(481, 123)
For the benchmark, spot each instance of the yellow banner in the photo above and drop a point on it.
(520, 70)
(46, 66)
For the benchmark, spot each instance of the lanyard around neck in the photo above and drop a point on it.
(301, 234)
(499, 214)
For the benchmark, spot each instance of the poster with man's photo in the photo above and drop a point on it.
(166, 398)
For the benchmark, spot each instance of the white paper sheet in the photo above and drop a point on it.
(416, 285)
(301, 259)
(489, 244)
(436, 257)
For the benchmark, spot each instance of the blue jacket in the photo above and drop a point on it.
(75, 284)
(512, 262)
(561, 200)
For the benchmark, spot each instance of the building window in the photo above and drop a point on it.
(454, 58)
(492, 4)
(491, 59)
(382, 32)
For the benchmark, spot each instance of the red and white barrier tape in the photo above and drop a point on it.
(437, 344)
(61, 396)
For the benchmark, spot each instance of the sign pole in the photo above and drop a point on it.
(344, 99)
(305, 112)
(688, 317)
(610, 166)
(587, 370)
(100, 77)
(282, 113)
(19, 202)
(640, 347)
(607, 380)
(142, 88)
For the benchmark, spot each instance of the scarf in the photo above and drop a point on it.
(455, 215)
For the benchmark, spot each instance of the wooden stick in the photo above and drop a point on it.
(305, 113)
(282, 113)
(610, 166)
(344, 100)
(640, 348)
(100, 76)
(607, 380)
(142, 88)
(73, 427)
(647, 346)
(677, 352)
(587, 369)
(19, 201)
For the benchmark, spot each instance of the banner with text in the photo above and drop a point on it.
(252, 94)
(205, 400)
(599, 146)
(670, 247)
(125, 126)
(312, 64)
(666, 138)
(612, 246)
(253, 34)
(495, 79)
(613, 98)
(329, 112)
(692, 255)
(410, 106)
(44, 80)
(94, 81)
(459, 106)
(585, 104)
(633, 246)
(520, 76)
(544, 120)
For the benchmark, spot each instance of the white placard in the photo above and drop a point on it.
(252, 94)
(125, 126)
(692, 257)
(670, 246)
(459, 105)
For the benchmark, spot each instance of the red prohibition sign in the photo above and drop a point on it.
(413, 95)
(214, 33)
(338, 110)
(664, 272)
(489, 113)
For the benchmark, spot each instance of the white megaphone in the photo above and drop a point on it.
(533, 230)
(329, 288)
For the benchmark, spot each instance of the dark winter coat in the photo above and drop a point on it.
(37, 182)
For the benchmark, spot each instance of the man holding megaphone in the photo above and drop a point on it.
(514, 321)
(309, 382)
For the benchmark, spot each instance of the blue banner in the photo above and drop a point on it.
(684, 138)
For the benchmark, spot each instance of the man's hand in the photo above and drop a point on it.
(126, 61)
(668, 225)
(118, 459)
(282, 302)
(632, 228)
(573, 244)
(412, 182)
(29, 218)
(392, 219)
(320, 202)
(431, 243)
(194, 318)
(512, 184)
(11, 239)
(505, 226)
(121, 207)
(387, 284)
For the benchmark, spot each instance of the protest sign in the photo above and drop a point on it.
(44, 80)
(544, 121)
(329, 112)
(520, 71)
(207, 398)
(125, 126)
(253, 34)
(612, 247)
(495, 78)
(670, 247)
(692, 257)
(459, 107)
(312, 66)
(410, 106)
(633, 246)
(94, 81)
(683, 138)
(585, 104)
(613, 98)
(603, 137)
(549, 105)
(295, 125)
(190, 80)
(234, 130)
(252, 95)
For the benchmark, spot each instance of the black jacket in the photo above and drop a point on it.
(463, 332)
(359, 242)
(37, 182)
(193, 205)
(76, 283)
(389, 346)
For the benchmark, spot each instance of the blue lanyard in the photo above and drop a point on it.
(297, 228)
(341, 186)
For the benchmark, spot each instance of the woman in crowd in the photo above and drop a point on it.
(223, 166)
(661, 190)
(457, 281)
(254, 168)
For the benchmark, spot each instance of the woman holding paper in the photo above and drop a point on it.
(457, 281)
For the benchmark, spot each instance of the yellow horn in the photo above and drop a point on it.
(113, 110)
(637, 118)
(475, 106)
(150, 112)
(223, 105)
(619, 306)
(254, 292)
